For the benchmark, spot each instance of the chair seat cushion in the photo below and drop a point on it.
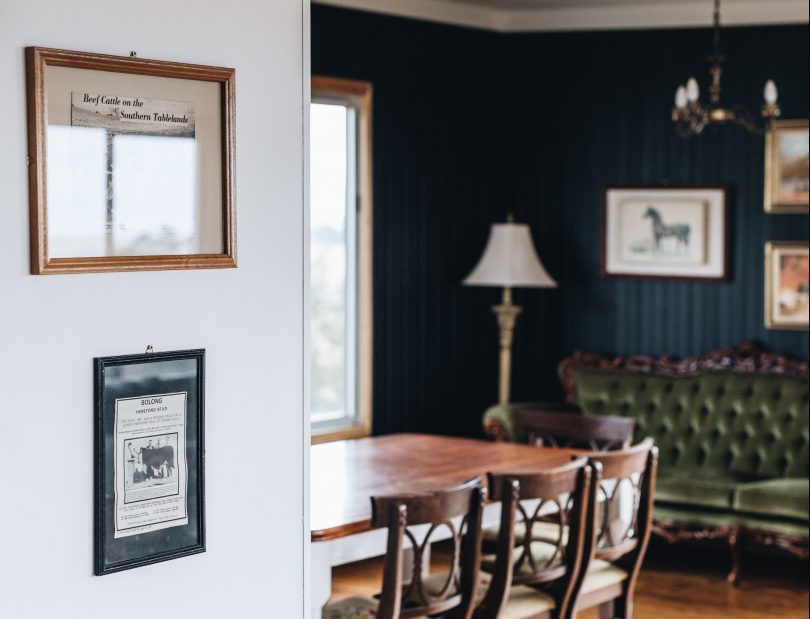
(602, 574)
(697, 488)
(356, 607)
(436, 586)
(787, 498)
(524, 601)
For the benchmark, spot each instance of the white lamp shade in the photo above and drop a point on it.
(510, 260)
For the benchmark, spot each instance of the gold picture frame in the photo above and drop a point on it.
(131, 163)
(786, 181)
(785, 259)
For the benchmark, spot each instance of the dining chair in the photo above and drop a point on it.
(622, 514)
(537, 579)
(569, 430)
(555, 429)
(451, 595)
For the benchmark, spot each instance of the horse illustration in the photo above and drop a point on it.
(661, 230)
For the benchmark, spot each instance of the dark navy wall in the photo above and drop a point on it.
(469, 125)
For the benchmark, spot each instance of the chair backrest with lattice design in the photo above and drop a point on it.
(552, 508)
(416, 518)
(623, 511)
(554, 429)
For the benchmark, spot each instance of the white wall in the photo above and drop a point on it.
(249, 320)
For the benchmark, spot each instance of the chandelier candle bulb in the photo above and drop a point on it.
(771, 93)
(680, 97)
(692, 90)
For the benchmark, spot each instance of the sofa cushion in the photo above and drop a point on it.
(697, 488)
(751, 425)
(787, 498)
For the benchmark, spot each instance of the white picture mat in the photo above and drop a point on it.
(714, 237)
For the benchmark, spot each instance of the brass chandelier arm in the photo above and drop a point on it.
(692, 117)
(697, 117)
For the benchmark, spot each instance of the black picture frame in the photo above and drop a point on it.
(162, 381)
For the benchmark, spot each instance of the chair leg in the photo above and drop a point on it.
(734, 543)
(623, 607)
(606, 610)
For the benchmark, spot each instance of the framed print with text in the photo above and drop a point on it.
(665, 232)
(149, 459)
(131, 163)
(787, 167)
(787, 285)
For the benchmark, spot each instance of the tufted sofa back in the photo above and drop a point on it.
(751, 425)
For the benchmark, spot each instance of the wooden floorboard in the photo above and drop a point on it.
(680, 583)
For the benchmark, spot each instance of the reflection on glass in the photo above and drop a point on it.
(153, 206)
(119, 376)
(77, 192)
(120, 195)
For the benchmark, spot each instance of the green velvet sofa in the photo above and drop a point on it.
(732, 433)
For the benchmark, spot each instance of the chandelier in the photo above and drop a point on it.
(691, 116)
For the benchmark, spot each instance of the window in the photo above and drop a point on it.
(340, 258)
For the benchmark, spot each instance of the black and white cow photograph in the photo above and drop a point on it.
(150, 460)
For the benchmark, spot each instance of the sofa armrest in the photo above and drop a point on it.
(501, 420)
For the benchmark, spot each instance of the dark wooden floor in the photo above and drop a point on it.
(680, 583)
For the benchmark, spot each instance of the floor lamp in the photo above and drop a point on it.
(509, 261)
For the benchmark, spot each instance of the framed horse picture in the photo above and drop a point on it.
(149, 458)
(665, 232)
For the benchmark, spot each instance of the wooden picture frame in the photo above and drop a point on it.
(149, 458)
(786, 146)
(787, 302)
(167, 203)
(695, 249)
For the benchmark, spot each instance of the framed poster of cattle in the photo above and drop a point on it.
(665, 232)
(149, 458)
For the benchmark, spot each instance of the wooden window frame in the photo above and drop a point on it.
(360, 94)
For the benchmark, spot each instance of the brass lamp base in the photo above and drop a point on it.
(506, 314)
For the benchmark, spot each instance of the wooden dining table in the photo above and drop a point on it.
(345, 474)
